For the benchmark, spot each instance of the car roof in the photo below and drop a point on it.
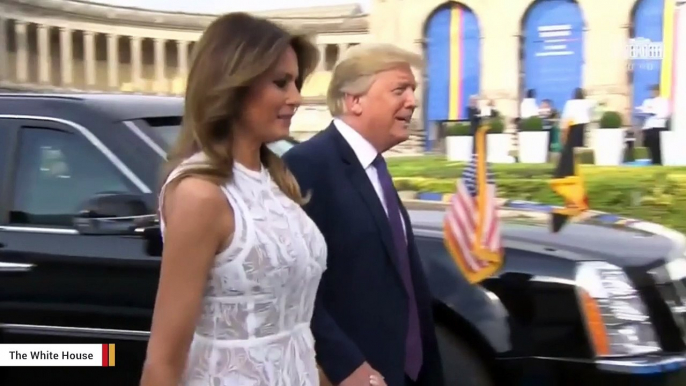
(118, 107)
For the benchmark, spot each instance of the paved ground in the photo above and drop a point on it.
(424, 205)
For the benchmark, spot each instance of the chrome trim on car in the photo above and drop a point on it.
(140, 134)
(639, 365)
(96, 332)
(95, 141)
(642, 365)
(15, 267)
(57, 231)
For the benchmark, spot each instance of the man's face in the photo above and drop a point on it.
(388, 106)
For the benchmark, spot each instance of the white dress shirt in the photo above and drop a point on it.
(659, 109)
(579, 111)
(528, 108)
(366, 154)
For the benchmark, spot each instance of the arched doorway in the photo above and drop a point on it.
(553, 46)
(453, 70)
(645, 48)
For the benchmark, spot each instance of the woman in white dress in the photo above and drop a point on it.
(242, 261)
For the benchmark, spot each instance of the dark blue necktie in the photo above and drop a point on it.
(413, 340)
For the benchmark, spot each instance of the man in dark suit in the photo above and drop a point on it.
(373, 321)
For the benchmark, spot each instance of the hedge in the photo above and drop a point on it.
(651, 193)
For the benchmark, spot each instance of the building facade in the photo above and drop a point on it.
(63, 45)
(497, 49)
(492, 48)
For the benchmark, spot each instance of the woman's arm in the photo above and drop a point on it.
(198, 223)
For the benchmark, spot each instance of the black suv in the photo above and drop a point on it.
(601, 301)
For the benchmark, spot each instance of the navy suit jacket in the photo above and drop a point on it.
(361, 307)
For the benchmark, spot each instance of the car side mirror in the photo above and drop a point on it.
(113, 214)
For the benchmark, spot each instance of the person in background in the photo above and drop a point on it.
(656, 110)
(474, 113)
(549, 115)
(576, 115)
(528, 108)
(494, 113)
(474, 116)
(488, 110)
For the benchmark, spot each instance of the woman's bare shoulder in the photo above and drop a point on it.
(196, 196)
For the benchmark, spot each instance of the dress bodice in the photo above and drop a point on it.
(259, 298)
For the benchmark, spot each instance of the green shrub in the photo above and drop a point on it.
(652, 193)
(497, 125)
(531, 124)
(641, 152)
(458, 130)
(611, 120)
(586, 156)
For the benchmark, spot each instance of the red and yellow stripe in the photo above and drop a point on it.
(108, 354)
(456, 70)
(668, 40)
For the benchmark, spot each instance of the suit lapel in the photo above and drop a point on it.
(359, 179)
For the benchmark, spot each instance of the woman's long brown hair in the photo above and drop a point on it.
(233, 52)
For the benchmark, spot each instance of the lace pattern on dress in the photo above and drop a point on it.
(254, 327)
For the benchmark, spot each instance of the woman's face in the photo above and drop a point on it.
(272, 101)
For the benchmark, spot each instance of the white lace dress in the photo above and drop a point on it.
(255, 324)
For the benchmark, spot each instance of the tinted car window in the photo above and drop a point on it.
(165, 136)
(56, 172)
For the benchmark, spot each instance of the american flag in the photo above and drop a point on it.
(462, 223)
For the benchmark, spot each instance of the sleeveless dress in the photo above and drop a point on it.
(254, 329)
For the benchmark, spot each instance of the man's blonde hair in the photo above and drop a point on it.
(355, 72)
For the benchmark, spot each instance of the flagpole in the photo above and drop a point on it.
(481, 184)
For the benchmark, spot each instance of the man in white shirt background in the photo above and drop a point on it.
(656, 112)
(528, 108)
(576, 115)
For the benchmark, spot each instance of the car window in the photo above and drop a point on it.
(56, 172)
(164, 135)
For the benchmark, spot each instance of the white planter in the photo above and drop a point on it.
(672, 144)
(608, 146)
(533, 147)
(498, 148)
(458, 148)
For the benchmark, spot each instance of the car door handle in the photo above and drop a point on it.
(15, 267)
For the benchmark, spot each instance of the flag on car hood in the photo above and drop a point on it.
(471, 226)
(568, 183)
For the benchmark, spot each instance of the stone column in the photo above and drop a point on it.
(159, 66)
(604, 78)
(3, 50)
(89, 57)
(22, 55)
(182, 52)
(66, 57)
(44, 61)
(136, 62)
(499, 70)
(112, 61)
(322, 57)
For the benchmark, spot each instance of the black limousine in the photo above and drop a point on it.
(602, 301)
